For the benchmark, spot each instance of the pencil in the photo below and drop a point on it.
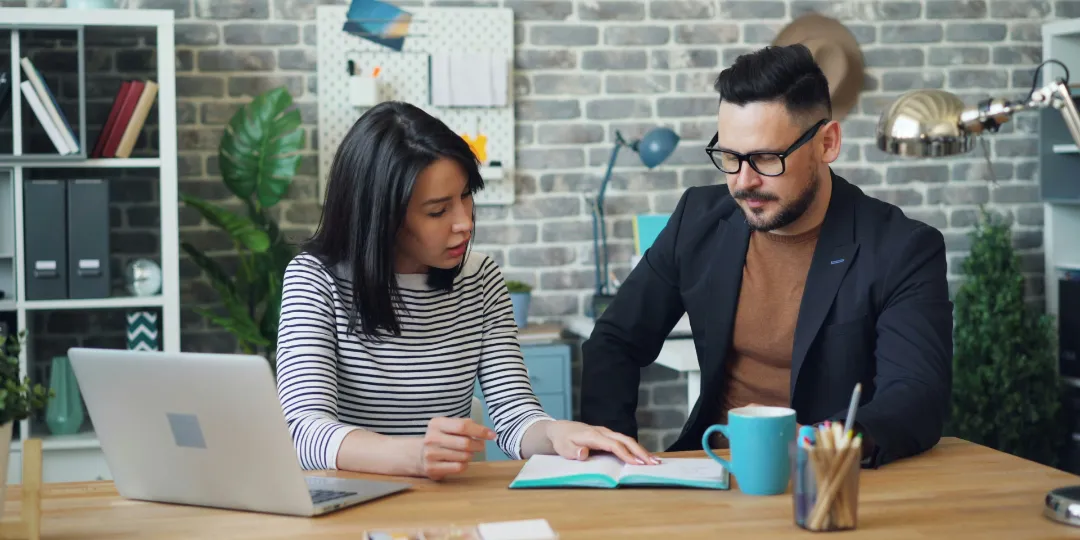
(849, 422)
(836, 478)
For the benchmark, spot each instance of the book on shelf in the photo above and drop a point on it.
(47, 109)
(43, 117)
(126, 118)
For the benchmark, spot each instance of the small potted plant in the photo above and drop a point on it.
(18, 398)
(520, 295)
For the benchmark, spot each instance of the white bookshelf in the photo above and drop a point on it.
(1058, 160)
(78, 457)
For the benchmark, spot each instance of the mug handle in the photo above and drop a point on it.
(705, 444)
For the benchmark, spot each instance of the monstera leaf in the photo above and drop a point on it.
(259, 151)
(259, 155)
(240, 228)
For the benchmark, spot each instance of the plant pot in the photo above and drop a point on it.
(5, 458)
(521, 302)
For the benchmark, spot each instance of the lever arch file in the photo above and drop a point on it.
(46, 243)
(88, 238)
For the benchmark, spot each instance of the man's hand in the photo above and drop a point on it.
(449, 445)
(573, 440)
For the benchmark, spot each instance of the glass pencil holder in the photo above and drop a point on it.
(826, 487)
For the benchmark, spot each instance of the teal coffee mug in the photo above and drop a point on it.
(760, 439)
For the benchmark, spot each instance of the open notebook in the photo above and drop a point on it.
(606, 471)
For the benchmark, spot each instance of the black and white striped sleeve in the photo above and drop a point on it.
(504, 380)
(307, 364)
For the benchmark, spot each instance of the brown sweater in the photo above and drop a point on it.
(758, 366)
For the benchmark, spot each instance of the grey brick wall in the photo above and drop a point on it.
(631, 65)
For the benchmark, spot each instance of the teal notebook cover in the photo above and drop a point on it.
(605, 471)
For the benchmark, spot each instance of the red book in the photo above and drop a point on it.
(110, 122)
(135, 89)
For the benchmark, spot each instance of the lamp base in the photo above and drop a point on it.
(600, 303)
(1061, 505)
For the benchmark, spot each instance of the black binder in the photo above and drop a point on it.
(88, 238)
(46, 239)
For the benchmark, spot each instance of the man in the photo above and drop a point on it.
(797, 284)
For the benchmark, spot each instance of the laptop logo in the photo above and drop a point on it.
(186, 431)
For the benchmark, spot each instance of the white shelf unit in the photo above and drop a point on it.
(78, 457)
(1059, 160)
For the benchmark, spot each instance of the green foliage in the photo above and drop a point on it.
(518, 286)
(258, 156)
(18, 398)
(1006, 391)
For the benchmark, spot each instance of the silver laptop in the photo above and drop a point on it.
(204, 429)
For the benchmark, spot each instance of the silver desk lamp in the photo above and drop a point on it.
(936, 123)
(931, 123)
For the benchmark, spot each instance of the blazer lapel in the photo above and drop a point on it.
(724, 280)
(836, 250)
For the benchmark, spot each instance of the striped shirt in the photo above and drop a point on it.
(331, 381)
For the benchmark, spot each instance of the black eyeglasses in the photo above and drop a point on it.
(765, 163)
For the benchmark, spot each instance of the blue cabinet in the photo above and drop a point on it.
(549, 373)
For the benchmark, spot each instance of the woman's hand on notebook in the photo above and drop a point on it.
(449, 444)
(574, 440)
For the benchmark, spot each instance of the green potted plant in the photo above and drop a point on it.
(1006, 392)
(19, 399)
(259, 155)
(520, 296)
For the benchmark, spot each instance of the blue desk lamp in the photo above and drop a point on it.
(655, 147)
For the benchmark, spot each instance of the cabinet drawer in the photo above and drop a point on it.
(554, 405)
(548, 367)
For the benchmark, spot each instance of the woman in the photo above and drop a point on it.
(387, 320)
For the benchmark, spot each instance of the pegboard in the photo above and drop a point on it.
(405, 75)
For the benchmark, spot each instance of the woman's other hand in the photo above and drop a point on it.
(574, 440)
(449, 446)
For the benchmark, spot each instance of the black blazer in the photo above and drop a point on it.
(875, 310)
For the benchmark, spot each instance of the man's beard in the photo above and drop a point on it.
(788, 213)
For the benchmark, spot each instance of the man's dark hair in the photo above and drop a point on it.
(788, 74)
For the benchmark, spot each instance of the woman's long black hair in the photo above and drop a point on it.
(370, 184)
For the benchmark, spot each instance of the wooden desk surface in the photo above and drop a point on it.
(957, 490)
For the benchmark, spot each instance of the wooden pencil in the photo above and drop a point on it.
(837, 477)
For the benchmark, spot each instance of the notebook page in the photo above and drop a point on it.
(539, 467)
(679, 468)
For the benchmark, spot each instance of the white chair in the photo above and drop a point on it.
(477, 416)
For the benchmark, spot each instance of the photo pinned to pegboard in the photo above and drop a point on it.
(355, 73)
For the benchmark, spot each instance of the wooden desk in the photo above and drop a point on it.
(957, 490)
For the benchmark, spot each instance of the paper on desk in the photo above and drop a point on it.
(529, 529)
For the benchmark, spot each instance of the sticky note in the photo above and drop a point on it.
(530, 529)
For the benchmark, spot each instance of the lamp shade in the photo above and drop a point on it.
(924, 123)
(657, 145)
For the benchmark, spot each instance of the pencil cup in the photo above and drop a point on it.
(826, 486)
(363, 91)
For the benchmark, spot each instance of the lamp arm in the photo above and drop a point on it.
(1067, 107)
(599, 228)
(988, 115)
